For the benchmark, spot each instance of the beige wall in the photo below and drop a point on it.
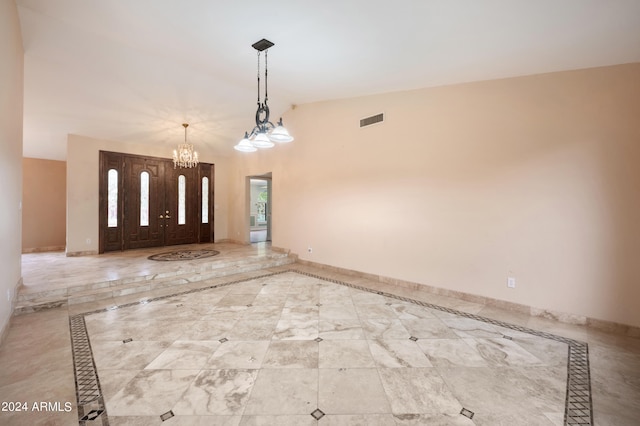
(534, 177)
(82, 188)
(44, 204)
(11, 102)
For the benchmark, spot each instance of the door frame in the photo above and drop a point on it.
(269, 207)
(115, 160)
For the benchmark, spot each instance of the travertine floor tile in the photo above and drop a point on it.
(216, 392)
(284, 391)
(352, 391)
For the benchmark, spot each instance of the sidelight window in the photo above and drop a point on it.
(112, 198)
(144, 199)
(182, 199)
(205, 200)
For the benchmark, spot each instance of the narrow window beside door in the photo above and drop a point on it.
(205, 200)
(112, 199)
(144, 199)
(182, 197)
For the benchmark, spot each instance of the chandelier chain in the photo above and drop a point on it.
(266, 79)
(258, 78)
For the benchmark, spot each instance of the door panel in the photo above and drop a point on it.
(137, 235)
(177, 233)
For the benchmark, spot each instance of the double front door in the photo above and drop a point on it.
(146, 202)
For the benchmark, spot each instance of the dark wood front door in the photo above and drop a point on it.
(144, 202)
(154, 204)
(181, 206)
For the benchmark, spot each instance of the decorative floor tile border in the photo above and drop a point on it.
(91, 405)
(92, 409)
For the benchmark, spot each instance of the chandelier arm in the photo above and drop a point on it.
(262, 108)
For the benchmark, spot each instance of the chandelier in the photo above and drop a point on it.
(265, 133)
(185, 156)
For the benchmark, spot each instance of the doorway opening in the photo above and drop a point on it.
(260, 207)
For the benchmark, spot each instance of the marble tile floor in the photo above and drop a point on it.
(51, 271)
(295, 349)
(76, 280)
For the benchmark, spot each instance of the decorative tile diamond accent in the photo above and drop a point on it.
(129, 340)
(318, 339)
(415, 339)
(467, 413)
(224, 339)
(504, 336)
(92, 415)
(166, 416)
(317, 414)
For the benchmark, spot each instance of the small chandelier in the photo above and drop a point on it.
(265, 133)
(185, 156)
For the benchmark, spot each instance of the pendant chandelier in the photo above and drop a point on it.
(185, 156)
(265, 133)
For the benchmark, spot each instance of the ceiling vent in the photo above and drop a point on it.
(372, 120)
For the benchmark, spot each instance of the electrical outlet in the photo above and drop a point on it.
(88, 241)
(511, 282)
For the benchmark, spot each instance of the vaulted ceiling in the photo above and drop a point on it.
(133, 71)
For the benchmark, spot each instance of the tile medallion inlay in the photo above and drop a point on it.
(287, 327)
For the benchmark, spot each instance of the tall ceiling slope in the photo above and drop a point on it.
(133, 71)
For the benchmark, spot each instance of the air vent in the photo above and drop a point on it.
(371, 120)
